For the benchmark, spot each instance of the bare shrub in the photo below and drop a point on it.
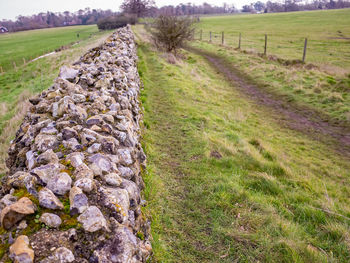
(171, 32)
(114, 22)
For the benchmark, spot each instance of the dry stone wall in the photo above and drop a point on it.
(72, 193)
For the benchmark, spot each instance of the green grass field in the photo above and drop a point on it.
(328, 34)
(30, 44)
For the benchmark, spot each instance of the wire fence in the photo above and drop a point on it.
(332, 51)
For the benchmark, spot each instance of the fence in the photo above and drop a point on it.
(326, 51)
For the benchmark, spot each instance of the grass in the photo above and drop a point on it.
(17, 86)
(274, 195)
(328, 34)
(31, 44)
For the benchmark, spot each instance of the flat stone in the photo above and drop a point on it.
(51, 220)
(8, 200)
(85, 184)
(61, 255)
(68, 73)
(83, 171)
(94, 148)
(78, 201)
(78, 98)
(60, 183)
(125, 172)
(100, 164)
(20, 252)
(117, 199)
(112, 179)
(48, 171)
(30, 156)
(47, 157)
(122, 240)
(92, 219)
(68, 133)
(76, 159)
(48, 199)
(72, 144)
(44, 142)
(125, 157)
(11, 214)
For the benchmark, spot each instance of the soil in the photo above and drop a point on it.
(300, 118)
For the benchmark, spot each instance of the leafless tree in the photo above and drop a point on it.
(171, 32)
(138, 8)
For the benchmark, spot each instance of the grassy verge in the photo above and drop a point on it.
(312, 88)
(226, 183)
(17, 86)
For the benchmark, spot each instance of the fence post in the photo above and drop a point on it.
(305, 45)
(239, 41)
(1, 70)
(210, 36)
(200, 36)
(24, 61)
(222, 38)
(14, 66)
(265, 45)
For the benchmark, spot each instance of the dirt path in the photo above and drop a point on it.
(289, 114)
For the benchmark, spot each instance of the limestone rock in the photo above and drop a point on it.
(78, 201)
(48, 199)
(10, 215)
(20, 252)
(68, 73)
(112, 179)
(51, 220)
(121, 248)
(44, 142)
(47, 157)
(76, 159)
(100, 164)
(85, 184)
(61, 255)
(47, 172)
(92, 219)
(60, 183)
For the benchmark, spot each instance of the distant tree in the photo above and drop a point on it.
(259, 6)
(171, 32)
(247, 8)
(138, 8)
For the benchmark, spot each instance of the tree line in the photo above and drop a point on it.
(294, 5)
(49, 19)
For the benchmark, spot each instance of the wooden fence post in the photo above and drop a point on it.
(14, 66)
(222, 38)
(1, 70)
(304, 53)
(265, 45)
(24, 61)
(210, 36)
(239, 41)
(200, 36)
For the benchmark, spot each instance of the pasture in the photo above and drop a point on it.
(33, 43)
(328, 34)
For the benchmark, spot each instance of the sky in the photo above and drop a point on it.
(10, 9)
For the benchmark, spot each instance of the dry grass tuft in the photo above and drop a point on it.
(11, 127)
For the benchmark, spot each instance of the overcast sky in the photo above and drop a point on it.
(10, 9)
